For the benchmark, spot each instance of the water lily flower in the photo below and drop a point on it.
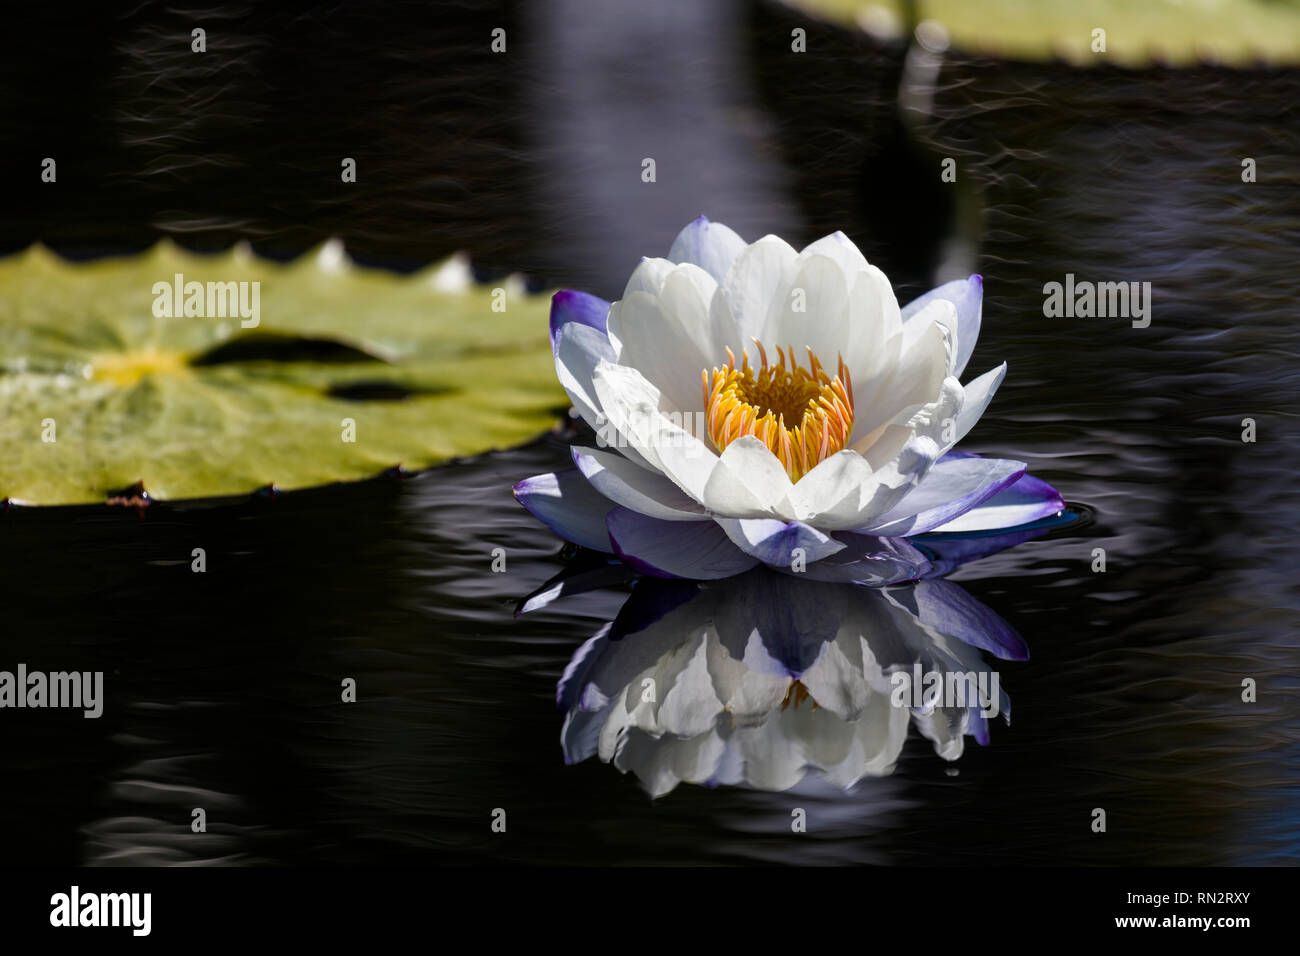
(758, 405)
(760, 680)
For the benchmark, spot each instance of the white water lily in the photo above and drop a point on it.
(759, 404)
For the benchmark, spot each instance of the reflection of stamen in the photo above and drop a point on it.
(759, 403)
(796, 695)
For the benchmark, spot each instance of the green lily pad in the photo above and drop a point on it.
(1138, 32)
(199, 407)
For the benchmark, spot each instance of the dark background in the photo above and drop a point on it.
(223, 687)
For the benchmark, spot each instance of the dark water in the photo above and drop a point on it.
(223, 688)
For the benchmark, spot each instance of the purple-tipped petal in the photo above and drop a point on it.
(570, 306)
(710, 245)
(968, 296)
(952, 487)
(675, 549)
(774, 542)
(569, 506)
(1025, 500)
(578, 350)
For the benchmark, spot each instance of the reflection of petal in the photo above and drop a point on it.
(946, 552)
(648, 604)
(950, 609)
(845, 679)
(574, 579)
(762, 678)
(760, 619)
(749, 685)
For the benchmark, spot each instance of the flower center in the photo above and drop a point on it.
(802, 415)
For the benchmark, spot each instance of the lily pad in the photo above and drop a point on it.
(97, 392)
(1179, 32)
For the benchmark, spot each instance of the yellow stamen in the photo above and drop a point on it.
(760, 402)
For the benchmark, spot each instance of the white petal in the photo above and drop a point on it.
(840, 248)
(874, 321)
(955, 484)
(968, 297)
(577, 351)
(648, 276)
(774, 541)
(749, 482)
(661, 763)
(710, 245)
(634, 487)
(831, 481)
(667, 337)
(914, 380)
(872, 318)
(817, 285)
(888, 485)
(632, 406)
(943, 313)
(918, 451)
(979, 393)
(753, 280)
(936, 421)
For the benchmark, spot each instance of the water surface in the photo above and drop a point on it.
(224, 687)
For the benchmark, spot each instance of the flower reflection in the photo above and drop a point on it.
(761, 679)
